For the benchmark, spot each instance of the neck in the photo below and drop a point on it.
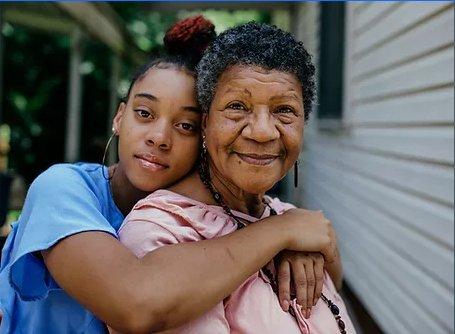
(236, 198)
(124, 193)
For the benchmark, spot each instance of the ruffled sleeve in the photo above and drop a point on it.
(279, 206)
(165, 218)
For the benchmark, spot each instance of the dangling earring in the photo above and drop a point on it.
(106, 149)
(296, 174)
(204, 145)
(203, 163)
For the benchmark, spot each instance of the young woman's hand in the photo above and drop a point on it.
(303, 274)
(309, 231)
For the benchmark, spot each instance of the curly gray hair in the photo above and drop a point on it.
(255, 44)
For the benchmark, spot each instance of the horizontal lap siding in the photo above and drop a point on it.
(386, 180)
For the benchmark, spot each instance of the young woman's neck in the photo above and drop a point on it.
(124, 193)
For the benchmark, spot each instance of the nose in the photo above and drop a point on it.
(159, 135)
(261, 127)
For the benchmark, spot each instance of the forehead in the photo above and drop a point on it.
(165, 81)
(256, 77)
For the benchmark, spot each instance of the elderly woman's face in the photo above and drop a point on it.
(254, 128)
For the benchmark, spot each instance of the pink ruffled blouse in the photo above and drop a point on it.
(165, 218)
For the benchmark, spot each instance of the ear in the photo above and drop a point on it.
(117, 122)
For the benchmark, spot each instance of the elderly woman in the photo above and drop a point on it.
(255, 86)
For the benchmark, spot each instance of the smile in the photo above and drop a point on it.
(150, 162)
(257, 159)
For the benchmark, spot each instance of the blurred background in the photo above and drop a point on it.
(379, 148)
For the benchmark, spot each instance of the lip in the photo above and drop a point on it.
(257, 159)
(151, 162)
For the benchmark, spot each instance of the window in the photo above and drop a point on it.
(330, 89)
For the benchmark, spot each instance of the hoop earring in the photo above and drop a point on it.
(296, 174)
(103, 163)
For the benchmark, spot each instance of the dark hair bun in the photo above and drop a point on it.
(190, 37)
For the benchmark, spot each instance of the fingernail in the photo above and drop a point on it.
(285, 306)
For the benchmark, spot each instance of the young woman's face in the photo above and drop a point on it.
(254, 128)
(159, 129)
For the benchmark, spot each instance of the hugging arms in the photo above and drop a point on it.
(98, 271)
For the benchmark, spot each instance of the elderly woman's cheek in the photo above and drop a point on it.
(222, 135)
(292, 138)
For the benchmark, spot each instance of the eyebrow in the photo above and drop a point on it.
(286, 95)
(154, 98)
(192, 109)
(147, 96)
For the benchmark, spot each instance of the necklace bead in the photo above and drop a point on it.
(335, 310)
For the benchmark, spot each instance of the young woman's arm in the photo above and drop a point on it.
(175, 283)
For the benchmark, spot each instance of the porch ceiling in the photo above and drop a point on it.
(98, 20)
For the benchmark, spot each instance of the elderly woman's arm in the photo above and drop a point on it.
(335, 270)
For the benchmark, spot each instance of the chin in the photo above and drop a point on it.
(147, 188)
(144, 184)
(256, 186)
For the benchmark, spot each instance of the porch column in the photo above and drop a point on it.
(73, 120)
(113, 104)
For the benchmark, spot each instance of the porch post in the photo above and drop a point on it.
(73, 120)
(113, 104)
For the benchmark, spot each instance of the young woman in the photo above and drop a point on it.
(255, 87)
(63, 269)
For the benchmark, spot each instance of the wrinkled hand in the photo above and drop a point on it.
(303, 273)
(310, 231)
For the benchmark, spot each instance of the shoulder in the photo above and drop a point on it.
(67, 186)
(168, 209)
(68, 177)
(279, 206)
(66, 171)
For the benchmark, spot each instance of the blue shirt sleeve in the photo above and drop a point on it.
(60, 202)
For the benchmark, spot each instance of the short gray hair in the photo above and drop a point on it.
(255, 44)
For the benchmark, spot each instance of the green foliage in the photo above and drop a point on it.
(35, 92)
(223, 19)
(146, 27)
(36, 74)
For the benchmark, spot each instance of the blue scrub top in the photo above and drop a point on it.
(64, 200)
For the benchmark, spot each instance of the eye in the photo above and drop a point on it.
(186, 127)
(237, 106)
(143, 113)
(285, 110)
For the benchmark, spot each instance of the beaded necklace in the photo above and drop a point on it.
(205, 178)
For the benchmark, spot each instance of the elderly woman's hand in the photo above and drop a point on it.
(303, 273)
(309, 231)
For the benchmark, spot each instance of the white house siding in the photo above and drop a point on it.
(386, 178)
